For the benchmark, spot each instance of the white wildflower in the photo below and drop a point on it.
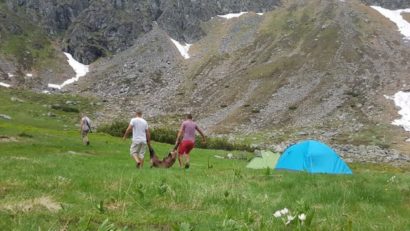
(284, 211)
(302, 217)
(392, 179)
(290, 218)
(277, 214)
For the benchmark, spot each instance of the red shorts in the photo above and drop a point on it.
(185, 147)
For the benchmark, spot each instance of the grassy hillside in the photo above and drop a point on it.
(50, 181)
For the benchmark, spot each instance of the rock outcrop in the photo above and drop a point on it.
(389, 4)
(53, 15)
(93, 29)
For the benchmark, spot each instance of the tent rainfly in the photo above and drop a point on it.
(268, 160)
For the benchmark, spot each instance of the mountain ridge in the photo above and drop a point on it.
(304, 69)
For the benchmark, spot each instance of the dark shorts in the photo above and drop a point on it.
(185, 147)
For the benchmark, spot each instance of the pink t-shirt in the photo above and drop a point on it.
(189, 126)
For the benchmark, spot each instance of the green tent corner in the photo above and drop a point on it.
(268, 160)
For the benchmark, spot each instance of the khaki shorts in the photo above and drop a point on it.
(84, 133)
(138, 149)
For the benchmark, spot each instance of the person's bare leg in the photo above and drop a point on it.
(179, 160)
(141, 162)
(187, 161)
(137, 161)
(84, 137)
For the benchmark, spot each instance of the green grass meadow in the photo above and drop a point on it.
(50, 181)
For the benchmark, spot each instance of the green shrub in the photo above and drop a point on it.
(65, 108)
(117, 128)
(164, 135)
(222, 144)
(26, 135)
(169, 135)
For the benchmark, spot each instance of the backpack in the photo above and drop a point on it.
(86, 125)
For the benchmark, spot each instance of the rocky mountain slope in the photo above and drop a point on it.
(28, 57)
(94, 29)
(389, 4)
(303, 69)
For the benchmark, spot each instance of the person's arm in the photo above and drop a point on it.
(202, 134)
(88, 123)
(148, 135)
(129, 129)
(81, 125)
(180, 132)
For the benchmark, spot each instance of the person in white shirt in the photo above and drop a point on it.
(140, 138)
(85, 128)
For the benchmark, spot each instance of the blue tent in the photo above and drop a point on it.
(313, 157)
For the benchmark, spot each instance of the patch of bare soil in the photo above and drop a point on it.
(115, 205)
(29, 205)
(7, 139)
(8, 186)
(78, 153)
(406, 16)
(19, 158)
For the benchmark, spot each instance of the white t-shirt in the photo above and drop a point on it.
(139, 126)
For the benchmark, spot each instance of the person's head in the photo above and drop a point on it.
(139, 113)
(189, 116)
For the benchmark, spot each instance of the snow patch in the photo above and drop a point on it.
(79, 68)
(183, 49)
(5, 85)
(402, 100)
(10, 75)
(29, 75)
(236, 15)
(396, 17)
(232, 15)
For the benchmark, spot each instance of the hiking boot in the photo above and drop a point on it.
(138, 165)
(88, 143)
(186, 165)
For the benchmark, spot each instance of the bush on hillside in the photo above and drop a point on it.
(65, 108)
(169, 135)
(117, 128)
(222, 143)
(164, 135)
(25, 135)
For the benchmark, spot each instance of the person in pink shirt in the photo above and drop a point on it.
(187, 132)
